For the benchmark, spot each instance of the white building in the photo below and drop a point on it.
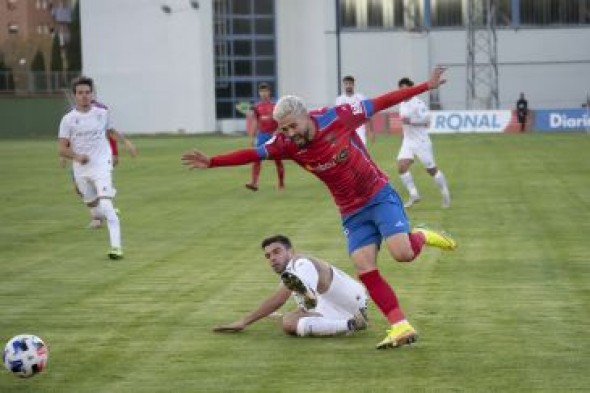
(185, 69)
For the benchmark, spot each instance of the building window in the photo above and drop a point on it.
(12, 28)
(554, 12)
(447, 13)
(244, 52)
(504, 12)
(372, 14)
(11, 5)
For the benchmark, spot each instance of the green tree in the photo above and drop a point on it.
(56, 60)
(74, 49)
(56, 65)
(6, 77)
(39, 71)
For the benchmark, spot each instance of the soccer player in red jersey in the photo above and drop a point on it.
(262, 127)
(325, 143)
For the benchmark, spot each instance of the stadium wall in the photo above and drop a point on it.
(549, 65)
(154, 69)
(31, 116)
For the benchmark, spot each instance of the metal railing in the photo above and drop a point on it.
(35, 82)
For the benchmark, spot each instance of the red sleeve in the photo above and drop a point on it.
(238, 157)
(114, 145)
(392, 98)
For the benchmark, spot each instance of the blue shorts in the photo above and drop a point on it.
(380, 218)
(262, 138)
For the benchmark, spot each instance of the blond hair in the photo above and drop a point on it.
(289, 105)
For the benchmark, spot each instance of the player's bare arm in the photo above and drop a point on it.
(266, 308)
(66, 152)
(129, 146)
(196, 159)
(252, 125)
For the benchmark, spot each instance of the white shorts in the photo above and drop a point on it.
(95, 185)
(344, 298)
(421, 149)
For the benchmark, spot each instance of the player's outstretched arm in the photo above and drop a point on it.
(266, 308)
(390, 99)
(196, 159)
(233, 327)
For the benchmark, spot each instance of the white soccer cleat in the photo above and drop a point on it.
(295, 284)
(413, 200)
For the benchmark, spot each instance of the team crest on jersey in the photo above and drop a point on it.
(342, 155)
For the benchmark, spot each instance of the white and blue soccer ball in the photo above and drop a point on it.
(25, 355)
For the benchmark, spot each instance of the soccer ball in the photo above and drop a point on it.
(25, 355)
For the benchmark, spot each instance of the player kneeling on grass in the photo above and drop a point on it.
(329, 301)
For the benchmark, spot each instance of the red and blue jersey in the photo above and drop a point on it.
(336, 155)
(263, 112)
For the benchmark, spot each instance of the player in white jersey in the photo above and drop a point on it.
(416, 143)
(83, 139)
(354, 99)
(329, 301)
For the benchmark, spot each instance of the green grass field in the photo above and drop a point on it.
(508, 311)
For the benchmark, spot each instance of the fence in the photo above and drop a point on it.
(35, 82)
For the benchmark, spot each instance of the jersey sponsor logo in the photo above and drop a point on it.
(339, 158)
(356, 108)
(321, 167)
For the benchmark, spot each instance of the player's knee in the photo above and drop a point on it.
(403, 166)
(403, 254)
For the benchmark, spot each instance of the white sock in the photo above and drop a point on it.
(408, 181)
(441, 182)
(107, 209)
(320, 326)
(96, 213)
